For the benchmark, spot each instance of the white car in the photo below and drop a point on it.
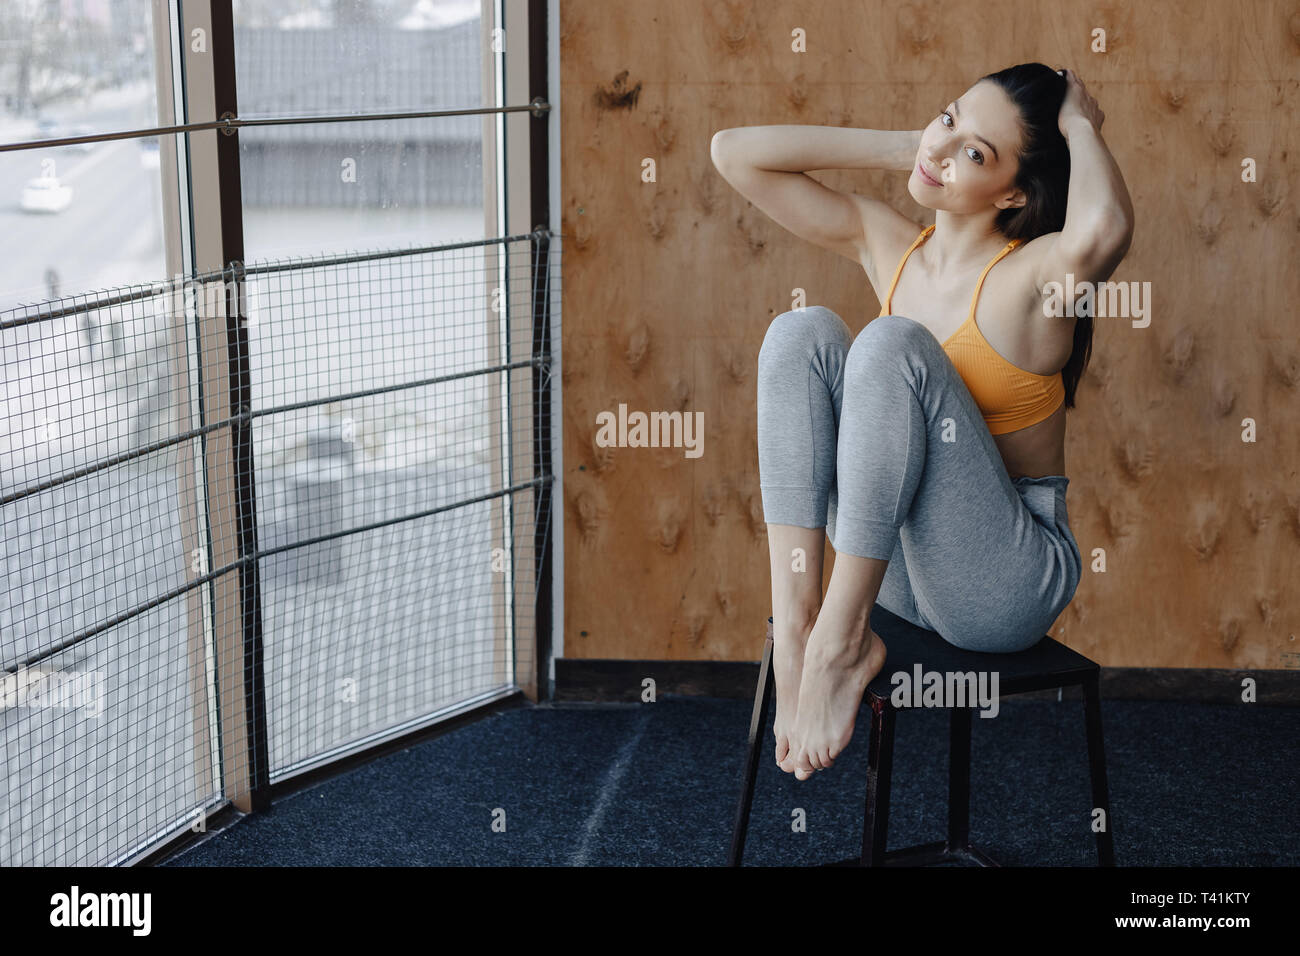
(46, 194)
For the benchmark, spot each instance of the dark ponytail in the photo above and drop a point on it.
(1044, 176)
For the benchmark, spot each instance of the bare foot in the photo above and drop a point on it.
(836, 673)
(787, 669)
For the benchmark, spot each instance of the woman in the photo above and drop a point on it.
(931, 449)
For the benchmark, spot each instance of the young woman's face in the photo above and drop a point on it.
(971, 150)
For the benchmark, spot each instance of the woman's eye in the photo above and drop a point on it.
(975, 155)
(945, 114)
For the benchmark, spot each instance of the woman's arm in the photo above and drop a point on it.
(1099, 216)
(797, 149)
(767, 165)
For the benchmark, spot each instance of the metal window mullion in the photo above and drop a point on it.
(539, 202)
(183, 359)
(507, 412)
(217, 236)
(241, 398)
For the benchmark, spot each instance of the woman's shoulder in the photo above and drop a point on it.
(1052, 261)
(1019, 310)
(1022, 271)
(887, 234)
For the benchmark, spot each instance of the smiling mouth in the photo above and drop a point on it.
(927, 177)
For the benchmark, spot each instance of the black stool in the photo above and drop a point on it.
(1047, 664)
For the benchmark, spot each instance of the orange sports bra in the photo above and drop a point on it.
(1008, 396)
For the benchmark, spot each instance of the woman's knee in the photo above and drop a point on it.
(803, 332)
(884, 340)
(891, 331)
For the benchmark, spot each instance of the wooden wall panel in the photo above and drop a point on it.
(670, 285)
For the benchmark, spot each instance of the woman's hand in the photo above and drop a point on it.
(1078, 105)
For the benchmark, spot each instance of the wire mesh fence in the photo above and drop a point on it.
(259, 519)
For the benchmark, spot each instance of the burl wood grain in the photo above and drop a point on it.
(670, 285)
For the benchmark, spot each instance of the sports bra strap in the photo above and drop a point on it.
(980, 284)
(889, 296)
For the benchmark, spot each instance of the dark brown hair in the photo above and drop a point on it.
(1044, 175)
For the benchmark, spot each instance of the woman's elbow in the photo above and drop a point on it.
(1120, 231)
(718, 149)
(1110, 229)
(1105, 239)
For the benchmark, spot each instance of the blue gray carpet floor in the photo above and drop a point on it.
(656, 785)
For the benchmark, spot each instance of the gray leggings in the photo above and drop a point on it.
(987, 562)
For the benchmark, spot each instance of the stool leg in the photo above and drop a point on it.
(959, 779)
(880, 763)
(757, 721)
(1097, 768)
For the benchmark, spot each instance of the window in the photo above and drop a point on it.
(84, 216)
(291, 501)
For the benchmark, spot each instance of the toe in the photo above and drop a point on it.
(796, 761)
